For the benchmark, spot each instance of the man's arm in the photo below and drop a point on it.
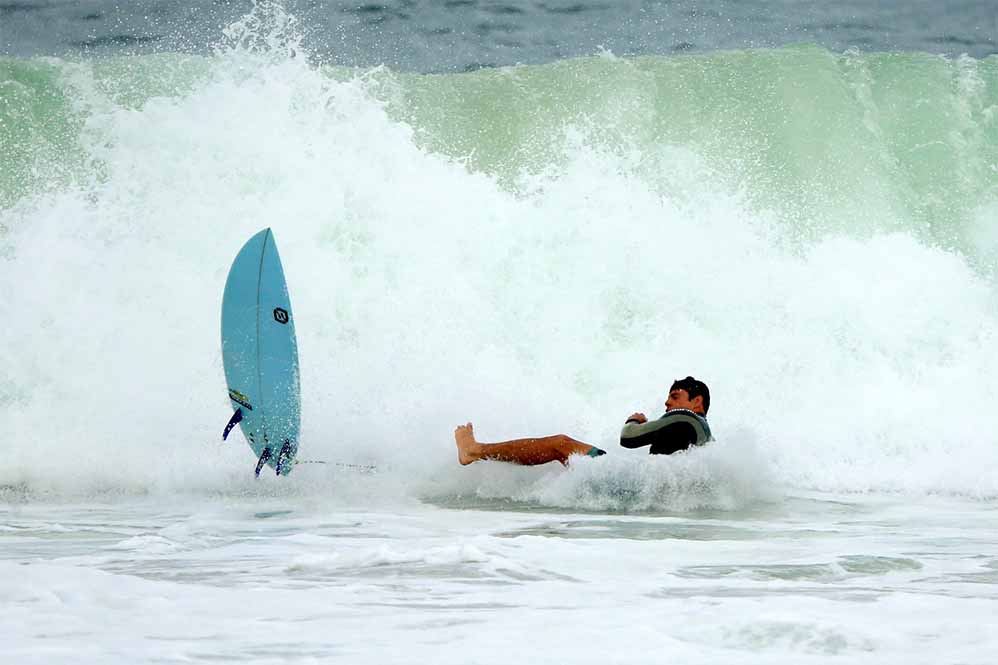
(636, 430)
(665, 435)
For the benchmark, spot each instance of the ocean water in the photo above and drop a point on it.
(460, 35)
(806, 220)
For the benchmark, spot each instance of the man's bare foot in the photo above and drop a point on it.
(467, 447)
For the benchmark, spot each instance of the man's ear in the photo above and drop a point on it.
(697, 403)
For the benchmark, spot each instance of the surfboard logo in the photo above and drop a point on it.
(281, 315)
(240, 399)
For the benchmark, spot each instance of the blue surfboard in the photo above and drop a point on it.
(260, 354)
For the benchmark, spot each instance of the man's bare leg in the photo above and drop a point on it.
(528, 452)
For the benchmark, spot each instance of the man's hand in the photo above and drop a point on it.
(639, 417)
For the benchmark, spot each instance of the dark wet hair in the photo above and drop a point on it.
(693, 388)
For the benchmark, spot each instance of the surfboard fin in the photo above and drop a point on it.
(233, 421)
(283, 456)
(264, 456)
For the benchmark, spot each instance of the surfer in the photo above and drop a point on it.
(684, 424)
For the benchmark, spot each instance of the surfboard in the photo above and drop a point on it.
(260, 355)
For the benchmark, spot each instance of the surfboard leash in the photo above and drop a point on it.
(362, 467)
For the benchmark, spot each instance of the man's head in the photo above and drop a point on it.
(689, 394)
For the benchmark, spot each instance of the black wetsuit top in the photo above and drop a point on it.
(672, 432)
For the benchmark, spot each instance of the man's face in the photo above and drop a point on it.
(680, 399)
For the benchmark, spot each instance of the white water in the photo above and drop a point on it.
(429, 295)
(814, 581)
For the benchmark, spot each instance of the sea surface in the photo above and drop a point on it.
(533, 216)
(461, 35)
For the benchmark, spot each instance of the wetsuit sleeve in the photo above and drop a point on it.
(636, 435)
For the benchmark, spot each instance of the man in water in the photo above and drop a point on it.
(663, 435)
